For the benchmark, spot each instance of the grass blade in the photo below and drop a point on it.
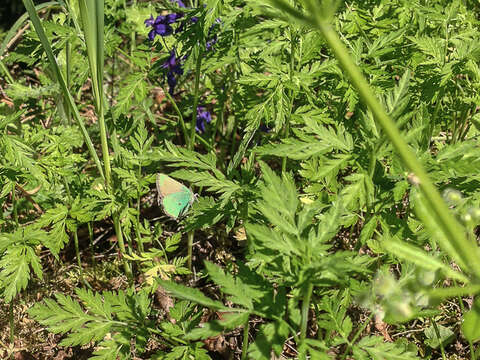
(56, 71)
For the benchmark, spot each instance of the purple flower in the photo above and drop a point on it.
(172, 82)
(210, 43)
(163, 29)
(174, 67)
(150, 21)
(171, 18)
(203, 116)
(161, 25)
(172, 63)
(151, 35)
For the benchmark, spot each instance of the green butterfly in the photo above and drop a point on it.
(175, 197)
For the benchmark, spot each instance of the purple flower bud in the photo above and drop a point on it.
(150, 21)
(172, 82)
(174, 67)
(210, 43)
(203, 116)
(171, 61)
(173, 64)
(194, 19)
(171, 18)
(179, 3)
(163, 29)
(151, 34)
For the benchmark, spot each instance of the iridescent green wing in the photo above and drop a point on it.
(175, 197)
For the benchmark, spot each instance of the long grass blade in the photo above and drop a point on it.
(58, 74)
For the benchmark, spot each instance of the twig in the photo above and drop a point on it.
(15, 38)
(28, 194)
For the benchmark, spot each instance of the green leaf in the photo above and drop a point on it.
(135, 88)
(421, 258)
(190, 294)
(374, 347)
(213, 328)
(229, 285)
(471, 323)
(295, 149)
(270, 337)
(446, 336)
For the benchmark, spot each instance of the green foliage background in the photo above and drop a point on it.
(335, 128)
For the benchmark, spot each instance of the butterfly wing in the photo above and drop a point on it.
(175, 197)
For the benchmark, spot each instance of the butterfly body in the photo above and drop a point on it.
(174, 197)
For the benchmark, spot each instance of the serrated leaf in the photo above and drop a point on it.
(213, 328)
(446, 336)
(374, 347)
(229, 285)
(191, 294)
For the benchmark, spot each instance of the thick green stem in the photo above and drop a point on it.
(305, 309)
(121, 245)
(246, 329)
(437, 334)
(75, 234)
(462, 309)
(467, 251)
(191, 144)
(105, 150)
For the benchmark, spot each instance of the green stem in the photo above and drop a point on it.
(189, 249)
(468, 252)
(204, 142)
(246, 329)
(196, 94)
(105, 151)
(56, 70)
(139, 198)
(462, 309)
(68, 70)
(220, 114)
(180, 116)
(191, 144)
(92, 249)
(356, 336)
(121, 245)
(77, 253)
(6, 72)
(14, 206)
(75, 233)
(305, 308)
(437, 334)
